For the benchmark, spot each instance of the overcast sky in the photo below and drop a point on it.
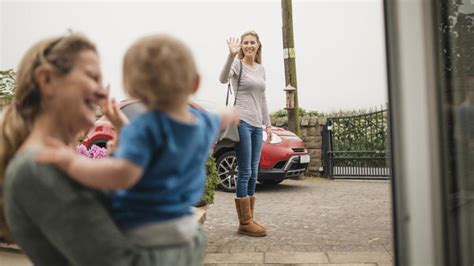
(340, 52)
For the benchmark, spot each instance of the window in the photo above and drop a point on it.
(455, 24)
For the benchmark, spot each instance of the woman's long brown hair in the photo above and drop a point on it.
(17, 118)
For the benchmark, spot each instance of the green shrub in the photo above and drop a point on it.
(279, 113)
(302, 112)
(211, 182)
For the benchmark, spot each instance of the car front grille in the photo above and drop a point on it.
(295, 173)
(298, 149)
(291, 165)
(280, 165)
(298, 166)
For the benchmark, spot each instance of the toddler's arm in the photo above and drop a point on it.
(228, 117)
(107, 173)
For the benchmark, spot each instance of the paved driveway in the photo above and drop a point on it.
(308, 221)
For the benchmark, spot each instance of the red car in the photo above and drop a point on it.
(285, 157)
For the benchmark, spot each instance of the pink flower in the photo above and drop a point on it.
(95, 152)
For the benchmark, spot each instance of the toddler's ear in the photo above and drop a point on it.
(197, 81)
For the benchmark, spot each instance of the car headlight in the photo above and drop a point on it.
(275, 138)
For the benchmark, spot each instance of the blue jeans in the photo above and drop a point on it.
(248, 152)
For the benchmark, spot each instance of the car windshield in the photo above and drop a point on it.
(133, 110)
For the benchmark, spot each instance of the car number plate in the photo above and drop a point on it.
(304, 158)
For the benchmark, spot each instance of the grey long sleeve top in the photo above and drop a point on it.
(251, 101)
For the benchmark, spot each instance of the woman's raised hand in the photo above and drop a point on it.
(234, 45)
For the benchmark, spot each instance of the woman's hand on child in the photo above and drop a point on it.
(234, 45)
(57, 153)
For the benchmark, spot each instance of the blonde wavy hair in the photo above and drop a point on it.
(160, 71)
(258, 54)
(17, 118)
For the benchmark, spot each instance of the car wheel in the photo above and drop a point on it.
(272, 182)
(227, 171)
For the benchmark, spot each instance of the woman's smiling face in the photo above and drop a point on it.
(77, 95)
(250, 45)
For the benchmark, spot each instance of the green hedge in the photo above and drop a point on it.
(211, 182)
(340, 113)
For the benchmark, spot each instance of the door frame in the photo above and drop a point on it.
(415, 113)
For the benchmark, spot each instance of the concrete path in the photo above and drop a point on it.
(310, 222)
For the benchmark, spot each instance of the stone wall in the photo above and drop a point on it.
(311, 128)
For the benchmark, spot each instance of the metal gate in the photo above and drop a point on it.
(356, 146)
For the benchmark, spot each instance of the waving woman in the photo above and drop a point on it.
(245, 58)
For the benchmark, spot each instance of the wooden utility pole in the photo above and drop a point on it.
(290, 63)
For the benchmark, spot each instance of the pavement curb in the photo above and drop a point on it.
(299, 258)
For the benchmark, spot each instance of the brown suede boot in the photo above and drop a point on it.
(252, 207)
(246, 224)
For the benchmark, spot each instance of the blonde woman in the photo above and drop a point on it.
(245, 57)
(54, 219)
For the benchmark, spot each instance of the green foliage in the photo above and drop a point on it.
(340, 113)
(302, 112)
(7, 84)
(359, 133)
(314, 113)
(362, 111)
(279, 113)
(211, 181)
(363, 132)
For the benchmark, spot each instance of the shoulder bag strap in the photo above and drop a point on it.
(229, 91)
(238, 82)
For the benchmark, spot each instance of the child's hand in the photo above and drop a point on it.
(57, 153)
(114, 114)
(112, 111)
(229, 116)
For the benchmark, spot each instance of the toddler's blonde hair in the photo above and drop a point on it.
(160, 71)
